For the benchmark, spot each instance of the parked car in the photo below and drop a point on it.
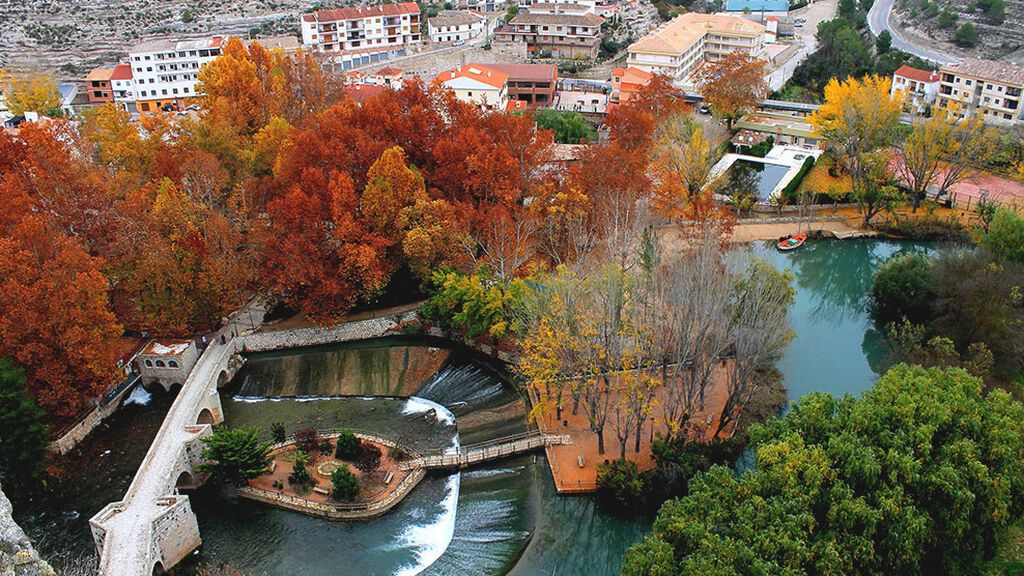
(459, 43)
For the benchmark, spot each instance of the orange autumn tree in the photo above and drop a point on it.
(55, 318)
(177, 269)
(320, 258)
(733, 85)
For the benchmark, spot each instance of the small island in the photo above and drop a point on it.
(337, 475)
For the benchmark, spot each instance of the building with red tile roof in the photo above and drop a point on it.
(919, 87)
(477, 84)
(534, 84)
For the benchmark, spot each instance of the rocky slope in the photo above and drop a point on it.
(71, 36)
(17, 557)
(936, 21)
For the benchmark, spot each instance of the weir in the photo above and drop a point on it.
(153, 527)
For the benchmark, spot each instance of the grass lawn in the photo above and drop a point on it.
(1009, 560)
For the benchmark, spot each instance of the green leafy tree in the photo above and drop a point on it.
(1005, 237)
(476, 304)
(300, 474)
(966, 35)
(884, 42)
(620, 485)
(903, 289)
(347, 446)
(996, 12)
(569, 127)
(947, 19)
(344, 485)
(922, 475)
(23, 440)
(236, 455)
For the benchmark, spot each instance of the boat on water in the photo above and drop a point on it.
(791, 242)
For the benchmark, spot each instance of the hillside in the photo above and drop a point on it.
(71, 36)
(998, 26)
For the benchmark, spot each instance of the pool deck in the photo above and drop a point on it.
(780, 155)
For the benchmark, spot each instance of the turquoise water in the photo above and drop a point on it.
(507, 517)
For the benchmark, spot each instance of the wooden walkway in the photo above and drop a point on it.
(496, 449)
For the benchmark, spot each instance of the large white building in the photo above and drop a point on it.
(363, 35)
(457, 26)
(164, 73)
(679, 46)
(986, 87)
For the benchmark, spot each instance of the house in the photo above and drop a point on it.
(627, 83)
(477, 84)
(919, 86)
(555, 30)
(167, 363)
(480, 5)
(361, 35)
(110, 84)
(12, 124)
(456, 26)
(678, 47)
(534, 84)
(974, 86)
(360, 93)
(388, 76)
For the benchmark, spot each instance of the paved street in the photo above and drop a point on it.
(815, 13)
(878, 20)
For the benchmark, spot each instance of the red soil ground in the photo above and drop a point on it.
(570, 477)
(372, 486)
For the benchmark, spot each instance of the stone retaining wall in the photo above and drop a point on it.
(315, 336)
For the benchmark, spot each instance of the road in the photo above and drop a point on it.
(815, 13)
(878, 20)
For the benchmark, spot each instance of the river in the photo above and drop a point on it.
(502, 518)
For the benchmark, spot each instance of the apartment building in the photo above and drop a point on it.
(477, 84)
(456, 26)
(992, 89)
(679, 46)
(362, 35)
(533, 84)
(555, 30)
(164, 73)
(919, 87)
(627, 83)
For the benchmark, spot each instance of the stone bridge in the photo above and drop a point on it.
(153, 527)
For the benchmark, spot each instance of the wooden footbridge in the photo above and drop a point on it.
(472, 454)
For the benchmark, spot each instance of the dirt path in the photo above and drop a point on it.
(751, 231)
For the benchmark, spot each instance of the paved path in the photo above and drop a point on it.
(878, 20)
(814, 14)
(128, 540)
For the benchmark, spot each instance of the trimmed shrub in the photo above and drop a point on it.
(307, 439)
(789, 192)
(277, 432)
(348, 446)
(344, 485)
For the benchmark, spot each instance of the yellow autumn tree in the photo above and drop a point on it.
(858, 118)
(682, 164)
(30, 92)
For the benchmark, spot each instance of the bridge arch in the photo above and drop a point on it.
(158, 569)
(205, 417)
(185, 480)
(223, 378)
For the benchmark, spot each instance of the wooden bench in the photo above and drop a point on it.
(389, 478)
(580, 461)
(321, 490)
(273, 466)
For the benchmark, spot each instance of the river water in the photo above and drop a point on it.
(501, 518)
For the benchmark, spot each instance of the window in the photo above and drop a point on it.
(149, 68)
(1006, 116)
(988, 86)
(172, 364)
(968, 82)
(160, 363)
(174, 91)
(148, 362)
(143, 92)
(186, 90)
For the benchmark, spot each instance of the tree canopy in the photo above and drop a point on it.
(920, 476)
(236, 455)
(23, 442)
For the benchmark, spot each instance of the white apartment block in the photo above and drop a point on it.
(164, 72)
(679, 46)
(919, 87)
(992, 89)
(363, 35)
(457, 26)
